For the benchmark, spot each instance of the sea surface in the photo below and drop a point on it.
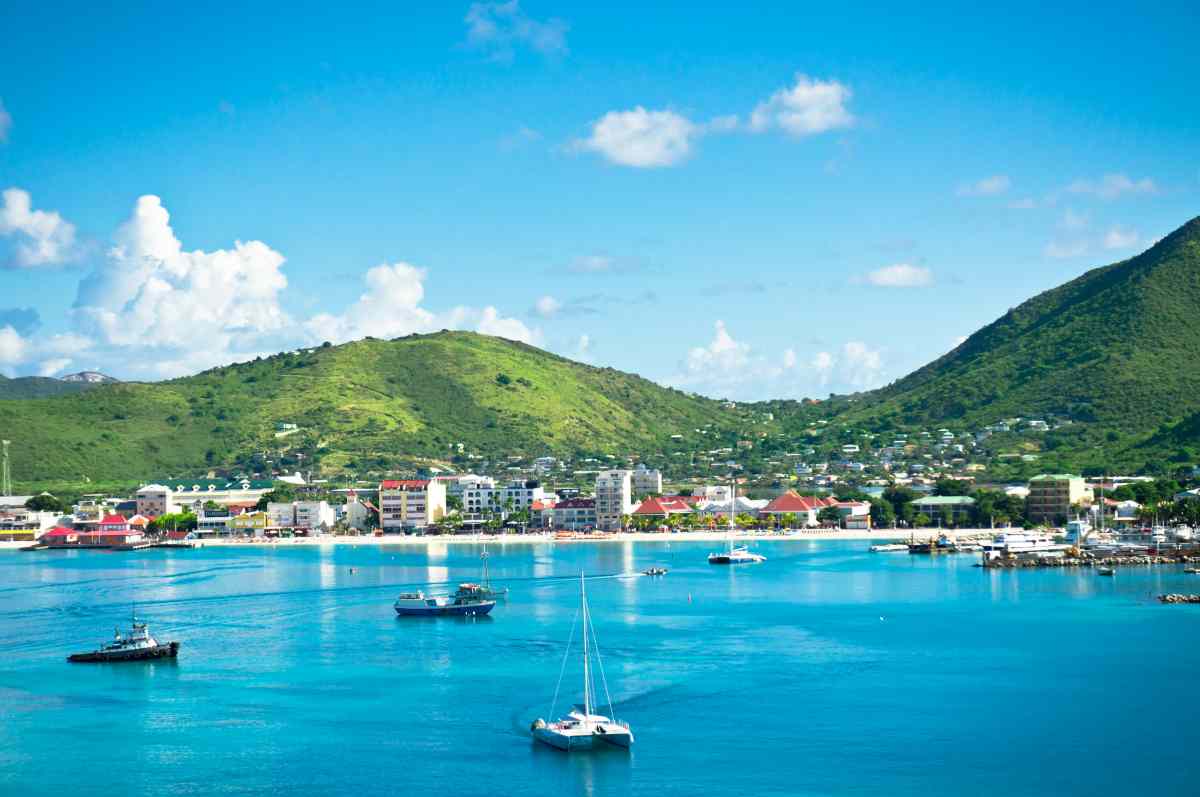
(825, 670)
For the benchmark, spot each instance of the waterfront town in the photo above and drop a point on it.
(1135, 510)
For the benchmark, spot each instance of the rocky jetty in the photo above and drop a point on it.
(1086, 559)
(1177, 598)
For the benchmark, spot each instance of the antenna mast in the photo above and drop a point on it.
(5, 473)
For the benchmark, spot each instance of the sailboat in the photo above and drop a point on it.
(581, 729)
(734, 555)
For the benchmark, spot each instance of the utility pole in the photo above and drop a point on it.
(5, 473)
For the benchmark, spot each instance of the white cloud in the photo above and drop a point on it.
(391, 308)
(1112, 186)
(861, 366)
(53, 366)
(642, 139)
(5, 123)
(729, 368)
(499, 28)
(174, 311)
(723, 353)
(547, 306)
(44, 238)
(988, 186)
(808, 107)
(583, 347)
(152, 309)
(1120, 238)
(901, 275)
(12, 347)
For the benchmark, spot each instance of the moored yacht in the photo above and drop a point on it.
(734, 555)
(469, 600)
(1021, 543)
(582, 729)
(137, 645)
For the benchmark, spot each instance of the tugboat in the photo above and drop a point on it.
(469, 600)
(137, 645)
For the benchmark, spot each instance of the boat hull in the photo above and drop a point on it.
(571, 742)
(722, 559)
(167, 651)
(466, 610)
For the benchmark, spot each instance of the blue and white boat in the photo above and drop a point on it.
(469, 600)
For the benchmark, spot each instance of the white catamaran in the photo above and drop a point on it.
(581, 729)
(734, 555)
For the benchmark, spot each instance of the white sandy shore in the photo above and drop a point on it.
(802, 535)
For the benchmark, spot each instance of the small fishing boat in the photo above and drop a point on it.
(654, 571)
(467, 601)
(1105, 571)
(889, 547)
(581, 729)
(137, 645)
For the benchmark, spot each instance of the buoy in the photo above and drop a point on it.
(689, 597)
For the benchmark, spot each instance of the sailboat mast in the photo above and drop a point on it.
(732, 509)
(587, 680)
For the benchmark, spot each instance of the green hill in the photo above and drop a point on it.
(38, 387)
(365, 406)
(1116, 352)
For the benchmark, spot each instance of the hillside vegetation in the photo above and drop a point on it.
(1115, 351)
(367, 405)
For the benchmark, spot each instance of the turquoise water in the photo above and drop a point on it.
(826, 670)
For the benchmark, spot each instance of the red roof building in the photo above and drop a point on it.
(662, 507)
(404, 484)
(114, 523)
(793, 502)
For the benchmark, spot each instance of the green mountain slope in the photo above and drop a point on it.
(1116, 351)
(362, 406)
(38, 387)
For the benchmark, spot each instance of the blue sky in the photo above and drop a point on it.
(757, 201)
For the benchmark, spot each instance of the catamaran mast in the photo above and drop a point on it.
(732, 509)
(587, 681)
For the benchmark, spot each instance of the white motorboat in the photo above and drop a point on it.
(734, 555)
(582, 729)
(1021, 543)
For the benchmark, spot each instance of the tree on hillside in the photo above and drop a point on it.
(44, 503)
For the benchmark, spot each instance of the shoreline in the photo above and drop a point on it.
(817, 535)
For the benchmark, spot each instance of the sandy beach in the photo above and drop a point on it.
(799, 535)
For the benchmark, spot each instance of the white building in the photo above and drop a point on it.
(513, 497)
(281, 515)
(314, 516)
(614, 498)
(646, 481)
(409, 504)
(156, 499)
